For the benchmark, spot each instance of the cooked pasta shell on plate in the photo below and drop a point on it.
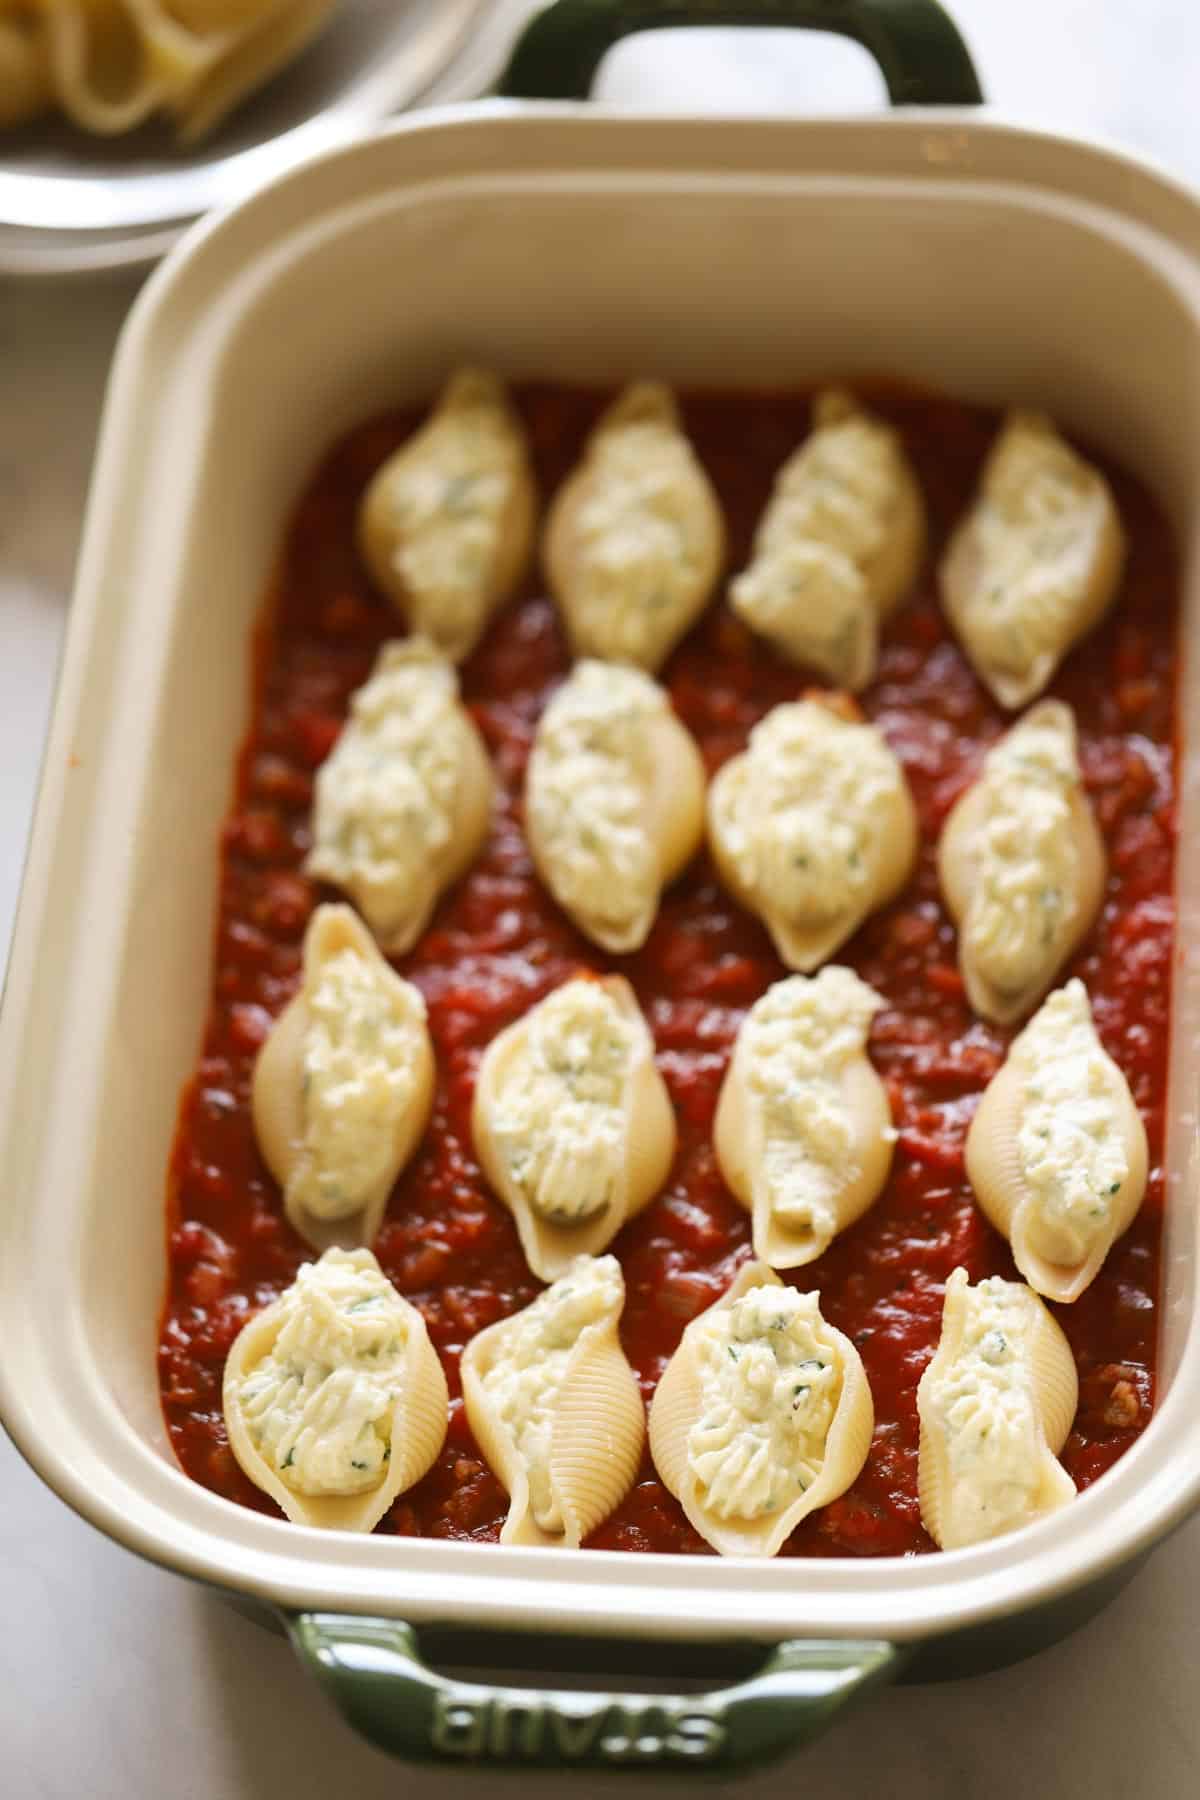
(214, 54)
(763, 1414)
(812, 827)
(803, 1131)
(839, 545)
(555, 1407)
(1035, 563)
(1057, 1150)
(26, 87)
(403, 802)
(614, 801)
(343, 1084)
(635, 539)
(446, 525)
(571, 1122)
(111, 64)
(996, 1404)
(1022, 865)
(335, 1401)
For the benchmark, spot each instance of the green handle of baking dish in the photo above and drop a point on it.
(373, 1671)
(916, 44)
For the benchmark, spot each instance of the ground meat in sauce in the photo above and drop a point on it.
(497, 944)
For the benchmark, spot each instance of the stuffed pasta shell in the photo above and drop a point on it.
(446, 526)
(764, 1414)
(996, 1405)
(555, 1407)
(343, 1084)
(635, 538)
(403, 803)
(812, 827)
(838, 547)
(571, 1121)
(614, 801)
(1057, 1151)
(803, 1130)
(334, 1398)
(1022, 865)
(1035, 563)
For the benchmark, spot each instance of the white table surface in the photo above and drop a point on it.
(119, 1682)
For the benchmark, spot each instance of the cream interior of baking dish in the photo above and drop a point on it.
(982, 260)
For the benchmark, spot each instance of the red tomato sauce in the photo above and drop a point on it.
(497, 944)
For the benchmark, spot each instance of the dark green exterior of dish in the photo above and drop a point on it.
(920, 53)
(755, 1705)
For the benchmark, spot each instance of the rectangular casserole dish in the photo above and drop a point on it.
(1000, 264)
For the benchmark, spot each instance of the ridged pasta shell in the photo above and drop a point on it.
(418, 1426)
(111, 66)
(994, 1169)
(823, 575)
(25, 86)
(741, 1131)
(1035, 563)
(609, 748)
(244, 64)
(596, 1437)
(99, 73)
(648, 1138)
(379, 769)
(448, 569)
(278, 1096)
(737, 818)
(635, 539)
(1055, 1387)
(959, 873)
(677, 1405)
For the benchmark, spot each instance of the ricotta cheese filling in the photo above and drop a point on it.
(641, 535)
(1025, 853)
(386, 796)
(590, 775)
(360, 1045)
(803, 824)
(1038, 525)
(828, 519)
(525, 1379)
(560, 1117)
(811, 599)
(986, 1405)
(1071, 1147)
(448, 500)
(796, 1042)
(318, 1407)
(770, 1382)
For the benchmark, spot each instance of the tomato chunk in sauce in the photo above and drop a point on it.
(498, 944)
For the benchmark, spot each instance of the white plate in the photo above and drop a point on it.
(72, 204)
